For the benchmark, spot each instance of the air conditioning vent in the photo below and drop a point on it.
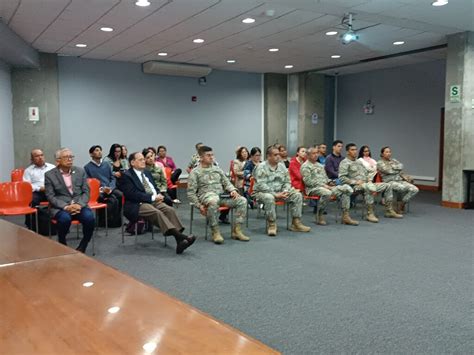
(175, 69)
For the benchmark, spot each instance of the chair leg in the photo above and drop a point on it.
(77, 231)
(287, 218)
(106, 223)
(207, 223)
(123, 232)
(191, 220)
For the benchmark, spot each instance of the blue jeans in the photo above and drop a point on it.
(64, 219)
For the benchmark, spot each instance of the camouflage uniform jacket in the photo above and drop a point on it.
(390, 170)
(271, 180)
(352, 170)
(314, 175)
(202, 181)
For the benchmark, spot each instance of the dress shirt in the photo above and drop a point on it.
(141, 175)
(35, 175)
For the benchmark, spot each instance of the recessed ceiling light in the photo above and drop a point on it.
(231, 61)
(248, 20)
(162, 54)
(439, 3)
(142, 3)
(106, 29)
(88, 284)
(198, 40)
(81, 45)
(331, 33)
(289, 66)
(335, 56)
(398, 43)
(273, 50)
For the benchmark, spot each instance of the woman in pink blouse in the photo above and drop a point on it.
(168, 162)
(366, 159)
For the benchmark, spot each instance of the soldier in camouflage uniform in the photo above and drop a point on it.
(194, 158)
(272, 182)
(353, 172)
(317, 183)
(391, 173)
(206, 184)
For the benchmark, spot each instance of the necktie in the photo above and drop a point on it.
(146, 185)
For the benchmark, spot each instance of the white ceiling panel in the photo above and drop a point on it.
(296, 27)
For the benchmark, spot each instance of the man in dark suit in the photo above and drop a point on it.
(143, 199)
(67, 191)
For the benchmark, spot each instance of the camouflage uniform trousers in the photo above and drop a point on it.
(342, 192)
(295, 201)
(368, 188)
(212, 201)
(405, 190)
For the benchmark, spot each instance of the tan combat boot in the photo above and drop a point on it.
(390, 213)
(320, 219)
(370, 214)
(216, 236)
(346, 219)
(271, 228)
(237, 233)
(297, 226)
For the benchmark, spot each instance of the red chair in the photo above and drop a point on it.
(94, 194)
(15, 199)
(17, 175)
(168, 173)
(220, 209)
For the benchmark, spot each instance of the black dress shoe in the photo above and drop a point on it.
(224, 220)
(184, 244)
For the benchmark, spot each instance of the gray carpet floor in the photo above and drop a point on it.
(399, 286)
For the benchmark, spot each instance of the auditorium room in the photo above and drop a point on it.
(236, 176)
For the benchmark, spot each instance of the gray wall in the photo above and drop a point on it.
(6, 128)
(407, 100)
(104, 102)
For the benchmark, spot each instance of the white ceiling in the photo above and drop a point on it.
(297, 28)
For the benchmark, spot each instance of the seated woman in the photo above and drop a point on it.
(283, 154)
(114, 159)
(249, 167)
(365, 157)
(294, 169)
(157, 173)
(238, 167)
(391, 173)
(168, 162)
(124, 158)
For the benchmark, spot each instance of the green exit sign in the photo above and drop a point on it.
(455, 93)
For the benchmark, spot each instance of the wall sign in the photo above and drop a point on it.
(455, 93)
(314, 118)
(33, 114)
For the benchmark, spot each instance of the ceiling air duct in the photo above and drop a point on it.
(175, 69)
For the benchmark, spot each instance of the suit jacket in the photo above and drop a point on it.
(57, 193)
(134, 192)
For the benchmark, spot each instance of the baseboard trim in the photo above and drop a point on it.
(428, 187)
(450, 204)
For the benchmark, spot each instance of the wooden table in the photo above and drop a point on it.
(19, 244)
(46, 308)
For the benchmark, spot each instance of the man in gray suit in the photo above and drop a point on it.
(67, 191)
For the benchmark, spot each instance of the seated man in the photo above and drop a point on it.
(332, 161)
(391, 173)
(194, 162)
(352, 172)
(206, 186)
(317, 183)
(109, 193)
(272, 182)
(143, 199)
(34, 174)
(67, 191)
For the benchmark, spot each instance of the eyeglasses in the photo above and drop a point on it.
(68, 157)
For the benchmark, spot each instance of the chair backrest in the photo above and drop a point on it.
(168, 172)
(15, 194)
(232, 172)
(17, 175)
(378, 177)
(94, 190)
(252, 182)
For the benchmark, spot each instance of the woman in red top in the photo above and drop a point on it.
(294, 169)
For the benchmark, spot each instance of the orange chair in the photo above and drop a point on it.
(15, 199)
(17, 175)
(220, 209)
(168, 173)
(94, 194)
